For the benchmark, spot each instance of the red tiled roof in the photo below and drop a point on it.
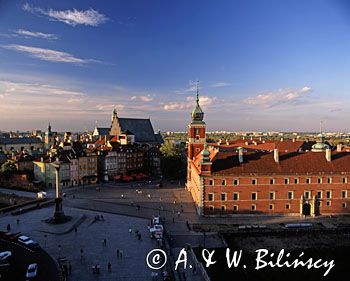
(226, 163)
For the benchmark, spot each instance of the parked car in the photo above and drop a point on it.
(5, 256)
(27, 241)
(32, 271)
(157, 231)
(41, 195)
(12, 236)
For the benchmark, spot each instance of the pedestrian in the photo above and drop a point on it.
(173, 220)
(81, 252)
(194, 270)
(118, 253)
(17, 221)
(130, 230)
(139, 236)
(75, 229)
(8, 227)
(70, 269)
(105, 241)
(102, 218)
(121, 254)
(178, 214)
(109, 267)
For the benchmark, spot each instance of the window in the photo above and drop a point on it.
(319, 203)
(329, 180)
(235, 196)
(235, 182)
(308, 180)
(211, 208)
(271, 206)
(290, 195)
(254, 181)
(344, 194)
(272, 195)
(328, 203)
(345, 180)
(223, 182)
(319, 194)
(287, 206)
(272, 181)
(223, 196)
(319, 180)
(235, 208)
(307, 194)
(211, 196)
(253, 207)
(223, 208)
(343, 205)
(328, 194)
(286, 181)
(211, 182)
(254, 196)
(296, 181)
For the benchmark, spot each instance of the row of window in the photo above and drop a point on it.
(272, 195)
(286, 181)
(271, 206)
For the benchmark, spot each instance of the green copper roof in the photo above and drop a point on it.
(197, 113)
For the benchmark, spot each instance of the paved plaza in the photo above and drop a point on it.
(89, 236)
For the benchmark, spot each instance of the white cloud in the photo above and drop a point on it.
(73, 17)
(189, 103)
(35, 34)
(146, 98)
(110, 107)
(48, 54)
(279, 97)
(219, 84)
(15, 88)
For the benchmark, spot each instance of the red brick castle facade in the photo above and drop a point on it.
(265, 177)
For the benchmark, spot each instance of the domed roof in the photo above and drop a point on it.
(320, 146)
(205, 154)
(197, 113)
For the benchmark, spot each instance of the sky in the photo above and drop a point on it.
(261, 65)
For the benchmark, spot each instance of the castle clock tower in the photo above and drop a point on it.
(196, 132)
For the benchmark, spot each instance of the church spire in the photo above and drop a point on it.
(197, 113)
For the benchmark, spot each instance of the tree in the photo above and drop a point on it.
(173, 161)
(7, 169)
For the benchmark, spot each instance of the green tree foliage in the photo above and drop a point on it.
(173, 161)
(7, 169)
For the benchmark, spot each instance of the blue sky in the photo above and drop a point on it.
(262, 65)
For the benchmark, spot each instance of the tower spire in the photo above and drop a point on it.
(197, 90)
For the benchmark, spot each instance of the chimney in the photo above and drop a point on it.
(339, 147)
(240, 155)
(276, 155)
(328, 155)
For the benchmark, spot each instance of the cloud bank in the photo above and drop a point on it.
(48, 54)
(73, 17)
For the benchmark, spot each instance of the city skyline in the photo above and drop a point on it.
(262, 66)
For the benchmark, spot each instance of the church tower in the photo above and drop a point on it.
(115, 130)
(49, 137)
(196, 132)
